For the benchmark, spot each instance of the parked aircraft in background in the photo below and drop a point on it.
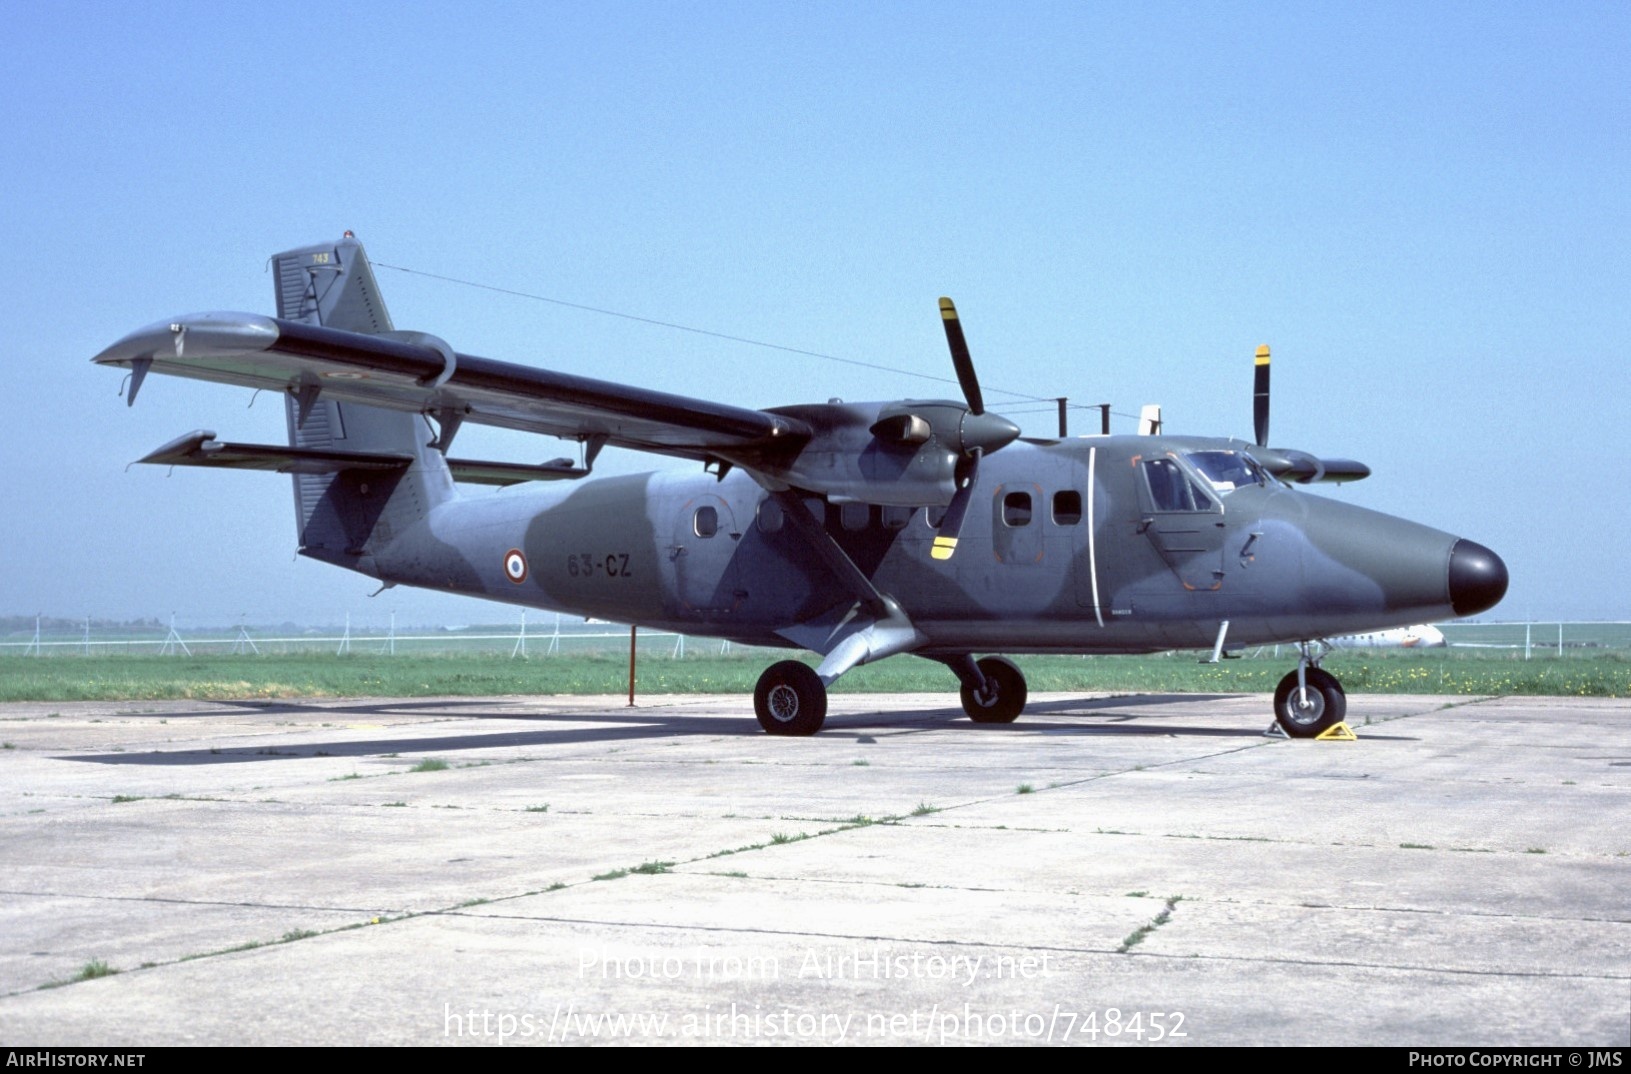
(1420, 636)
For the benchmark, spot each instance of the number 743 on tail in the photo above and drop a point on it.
(856, 531)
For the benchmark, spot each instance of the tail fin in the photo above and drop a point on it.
(331, 284)
(348, 517)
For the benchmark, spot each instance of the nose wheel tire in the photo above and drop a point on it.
(790, 699)
(1324, 707)
(1005, 693)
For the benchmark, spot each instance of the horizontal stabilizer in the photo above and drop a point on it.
(200, 448)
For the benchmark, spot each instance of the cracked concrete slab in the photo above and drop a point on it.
(570, 870)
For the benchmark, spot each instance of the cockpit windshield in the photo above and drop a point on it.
(1227, 470)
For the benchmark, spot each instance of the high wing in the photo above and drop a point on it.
(424, 375)
(332, 339)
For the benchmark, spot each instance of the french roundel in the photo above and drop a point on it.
(515, 566)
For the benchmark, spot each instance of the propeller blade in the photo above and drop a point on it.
(960, 358)
(945, 542)
(1260, 397)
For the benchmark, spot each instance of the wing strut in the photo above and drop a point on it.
(847, 637)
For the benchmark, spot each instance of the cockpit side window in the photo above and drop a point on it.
(1172, 489)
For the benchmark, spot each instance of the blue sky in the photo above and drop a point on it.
(1421, 207)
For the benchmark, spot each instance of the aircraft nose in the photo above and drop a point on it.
(1477, 578)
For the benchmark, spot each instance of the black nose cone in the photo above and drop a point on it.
(1477, 578)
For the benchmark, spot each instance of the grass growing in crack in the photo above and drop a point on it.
(1138, 935)
(118, 798)
(1024, 788)
(652, 868)
(615, 874)
(857, 763)
(924, 809)
(430, 764)
(779, 838)
(297, 934)
(1415, 846)
(94, 969)
(1535, 850)
(342, 779)
(249, 946)
(538, 808)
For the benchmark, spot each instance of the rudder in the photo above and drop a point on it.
(345, 518)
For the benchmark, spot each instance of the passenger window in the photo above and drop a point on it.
(1016, 509)
(770, 517)
(705, 523)
(853, 516)
(895, 518)
(1067, 507)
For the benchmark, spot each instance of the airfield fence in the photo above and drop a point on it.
(536, 636)
(528, 638)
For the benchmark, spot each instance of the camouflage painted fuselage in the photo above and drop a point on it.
(1064, 550)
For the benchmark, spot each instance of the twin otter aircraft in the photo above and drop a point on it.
(854, 530)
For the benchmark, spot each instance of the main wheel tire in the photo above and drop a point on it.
(1008, 699)
(1325, 707)
(790, 699)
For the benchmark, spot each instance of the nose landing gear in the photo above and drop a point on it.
(1309, 700)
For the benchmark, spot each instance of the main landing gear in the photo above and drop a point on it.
(1309, 700)
(999, 695)
(791, 699)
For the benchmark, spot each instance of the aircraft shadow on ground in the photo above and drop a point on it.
(637, 724)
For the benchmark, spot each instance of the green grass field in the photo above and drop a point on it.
(119, 677)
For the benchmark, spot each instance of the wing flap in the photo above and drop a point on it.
(479, 472)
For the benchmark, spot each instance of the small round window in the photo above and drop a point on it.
(705, 523)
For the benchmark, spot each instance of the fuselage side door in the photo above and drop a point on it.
(1185, 523)
(1017, 524)
(703, 553)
